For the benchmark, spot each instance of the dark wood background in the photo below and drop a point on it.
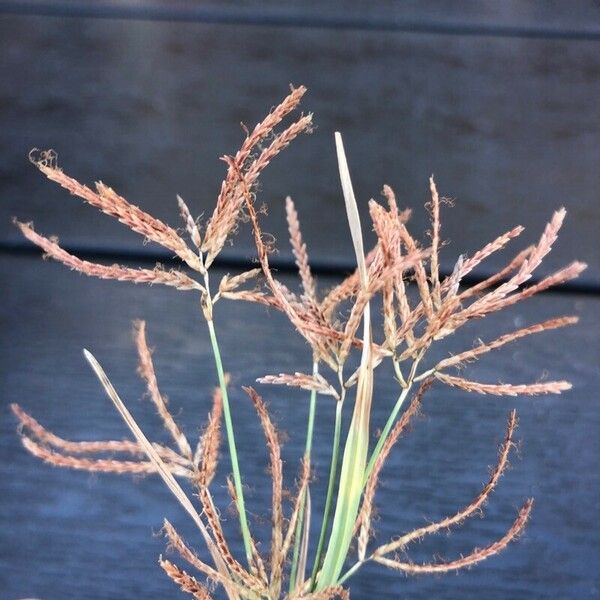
(498, 100)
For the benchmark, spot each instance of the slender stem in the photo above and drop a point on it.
(386, 431)
(352, 570)
(330, 487)
(307, 452)
(235, 467)
(424, 375)
(311, 415)
(391, 419)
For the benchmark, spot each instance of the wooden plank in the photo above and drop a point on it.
(534, 17)
(65, 534)
(509, 127)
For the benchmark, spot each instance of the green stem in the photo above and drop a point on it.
(330, 489)
(392, 418)
(386, 431)
(311, 415)
(307, 452)
(235, 467)
(351, 571)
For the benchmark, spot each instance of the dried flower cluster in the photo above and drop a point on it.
(330, 325)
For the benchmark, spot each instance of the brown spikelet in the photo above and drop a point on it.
(513, 265)
(231, 197)
(388, 230)
(26, 421)
(501, 297)
(258, 567)
(308, 324)
(229, 283)
(469, 510)
(494, 301)
(505, 389)
(247, 579)
(147, 373)
(277, 485)
(500, 242)
(256, 297)
(407, 318)
(353, 323)
(186, 582)
(177, 544)
(533, 260)
(346, 289)
(41, 434)
(172, 278)
(190, 224)
(390, 196)
(383, 224)
(468, 560)
(453, 282)
(299, 250)
(434, 266)
(143, 223)
(301, 491)
(98, 465)
(420, 273)
(203, 477)
(545, 243)
(279, 143)
(475, 353)
(377, 282)
(568, 273)
(212, 517)
(232, 494)
(389, 317)
(304, 539)
(207, 451)
(110, 203)
(317, 382)
(384, 229)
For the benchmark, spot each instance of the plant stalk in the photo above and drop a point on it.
(307, 453)
(356, 446)
(406, 385)
(235, 467)
(330, 489)
(352, 570)
(386, 431)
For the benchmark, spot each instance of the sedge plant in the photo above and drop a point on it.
(330, 323)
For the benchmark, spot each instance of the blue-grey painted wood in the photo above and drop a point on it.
(508, 19)
(508, 126)
(70, 535)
